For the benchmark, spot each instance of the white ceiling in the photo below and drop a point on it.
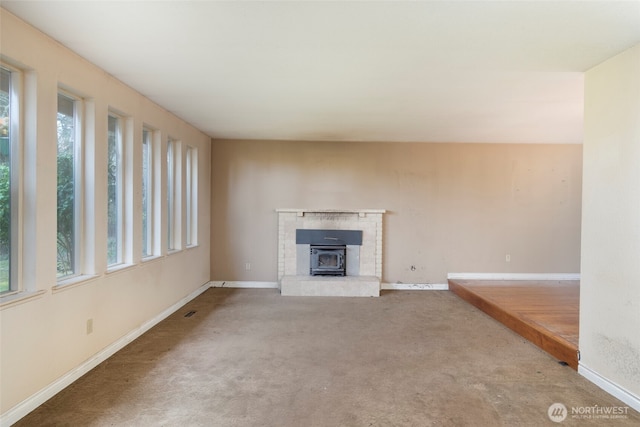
(435, 71)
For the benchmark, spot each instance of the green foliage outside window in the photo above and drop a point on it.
(5, 225)
(66, 191)
(5, 182)
(113, 192)
(66, 207)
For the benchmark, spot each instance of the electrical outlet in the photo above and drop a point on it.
(247, 266)
(89, 326)
(507, 258)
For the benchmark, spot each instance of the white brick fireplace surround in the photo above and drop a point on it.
(294, 278)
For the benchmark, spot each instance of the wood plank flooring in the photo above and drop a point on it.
(544, 312)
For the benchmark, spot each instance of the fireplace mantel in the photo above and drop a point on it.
(369, 273)
(360, 212)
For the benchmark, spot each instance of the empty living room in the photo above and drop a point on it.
(319, 213)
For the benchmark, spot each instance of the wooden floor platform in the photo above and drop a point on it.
(544, 312)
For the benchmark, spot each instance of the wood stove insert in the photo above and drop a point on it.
(328, 256)
(328, 260)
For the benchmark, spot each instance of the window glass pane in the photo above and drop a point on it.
(66, 231)
(114, 192)
(170, 195)
(192, 196)
(147, 216)
(189, 195)
(5, 180)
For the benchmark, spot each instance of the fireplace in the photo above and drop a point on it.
(328, 260)
(357, 236)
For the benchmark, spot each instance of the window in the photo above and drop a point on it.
(192, 196)
(69, 191)
(9, 125)
(114, 191)
(147, 194)
(171, 195)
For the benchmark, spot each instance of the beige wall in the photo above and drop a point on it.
(451, 207)
(45, 338)
(610, 287)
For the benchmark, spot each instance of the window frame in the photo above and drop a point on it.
(191, 195)
(78, 174)
(148, 193)
(15, 126)
(119, 190)
(174, 195)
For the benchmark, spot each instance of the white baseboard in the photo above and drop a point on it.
(610, 387)
(232, 284)
(384, 286)
(415, 286)
(16, 413)
(514, 276)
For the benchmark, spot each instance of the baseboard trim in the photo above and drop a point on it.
(610, 387)
(244, 284)
(415, 286)
(23, 408)
(514, 276)
(383, 286)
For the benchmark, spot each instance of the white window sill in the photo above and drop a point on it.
(120, 267)
(192, 246)
(151, 258)
(72, 282)
(17, 298)
(174, 251)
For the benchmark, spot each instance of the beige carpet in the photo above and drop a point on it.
(251, 357)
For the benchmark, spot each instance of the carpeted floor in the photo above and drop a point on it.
(250, 357)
